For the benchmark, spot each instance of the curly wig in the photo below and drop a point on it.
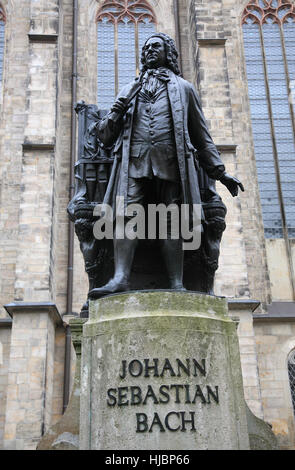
(171, 53)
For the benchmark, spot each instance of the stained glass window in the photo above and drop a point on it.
(291, 372)
(269, 41)
(2, 30)
(122, 28)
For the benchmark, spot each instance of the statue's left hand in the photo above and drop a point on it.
(232, 184)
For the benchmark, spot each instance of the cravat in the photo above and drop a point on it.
(153, 79)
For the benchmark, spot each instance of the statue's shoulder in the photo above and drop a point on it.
(185, 84)
(187, 88)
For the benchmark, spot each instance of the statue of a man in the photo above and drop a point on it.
(158, 128)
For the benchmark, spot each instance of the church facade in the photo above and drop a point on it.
(240, 57)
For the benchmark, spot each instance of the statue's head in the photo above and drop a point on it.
(160, 51)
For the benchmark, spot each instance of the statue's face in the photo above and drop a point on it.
(155, 53)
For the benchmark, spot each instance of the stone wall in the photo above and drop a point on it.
(220, 71)
(27, 139)
(274, 341)
(5, 334)
(241, 311)
(279, 273)
(13, 118)
(60, 229)
(34, 375)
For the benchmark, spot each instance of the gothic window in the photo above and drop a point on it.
(291, 372)
(122, 28)
(2, 30)
(269, 41)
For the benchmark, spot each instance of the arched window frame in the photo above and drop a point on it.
(291, 375)
(2, 42)
(280, 12)
(118, 13)
(2, 14)
(261, 10)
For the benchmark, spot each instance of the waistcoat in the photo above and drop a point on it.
(153, 150)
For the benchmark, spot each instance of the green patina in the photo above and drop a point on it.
(159, 303)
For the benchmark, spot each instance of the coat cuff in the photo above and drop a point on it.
(211, 162)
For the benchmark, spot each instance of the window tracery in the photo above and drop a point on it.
(118, 10)
(269, 44)
(2, 31)
(265, 11)
(291, 373)
(122, 28)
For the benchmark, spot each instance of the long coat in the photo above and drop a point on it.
(194, 144)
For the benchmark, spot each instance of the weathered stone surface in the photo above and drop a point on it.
(5, 336)
(242, 310)
(274, 341)
(29, 398)
(181, 345)
(64, 435)
(261, 436)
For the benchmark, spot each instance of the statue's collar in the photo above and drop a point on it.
(162, 73)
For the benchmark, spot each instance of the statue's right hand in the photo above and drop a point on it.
(80, 106)
(120, 106)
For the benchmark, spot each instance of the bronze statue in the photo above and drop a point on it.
(163, 153)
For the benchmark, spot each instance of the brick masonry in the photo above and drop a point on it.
(274, 341)
(5, 335)
(30, 390)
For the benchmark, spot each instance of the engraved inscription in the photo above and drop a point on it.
(164, 394)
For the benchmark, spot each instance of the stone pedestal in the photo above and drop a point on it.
(161, 370)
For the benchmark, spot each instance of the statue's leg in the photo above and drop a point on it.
(169, 193)
(124, 249)
(173, 257)
(123, 254)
